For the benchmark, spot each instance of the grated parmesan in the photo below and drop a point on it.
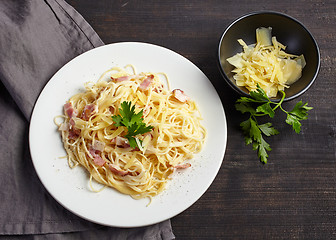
(266, 63)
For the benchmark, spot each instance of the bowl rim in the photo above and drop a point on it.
(241, 92)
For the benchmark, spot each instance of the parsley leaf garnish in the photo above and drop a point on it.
(132, 121)
(254, 132)
(298, 113)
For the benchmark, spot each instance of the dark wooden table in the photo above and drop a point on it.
(294, 195)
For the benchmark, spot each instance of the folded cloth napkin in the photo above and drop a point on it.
(38, 38)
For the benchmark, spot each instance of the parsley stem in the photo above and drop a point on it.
(276, 106)
(283, 110)
(280, 102)
(259, 114)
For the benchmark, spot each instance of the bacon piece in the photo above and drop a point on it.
(180, 95)
(146, 82)
(70, 110)
(88, 111)
(183, 166)
(98, 145)
(72, 123)
(121, 142)
(123, 78)
(97, 159)
(117, 170)
(74, 133)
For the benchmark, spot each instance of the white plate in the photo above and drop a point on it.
(70, 186)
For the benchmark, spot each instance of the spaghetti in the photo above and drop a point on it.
(92, 139)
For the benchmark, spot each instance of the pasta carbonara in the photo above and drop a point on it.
(93, 140)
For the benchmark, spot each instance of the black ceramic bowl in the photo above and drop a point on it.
(287, 30)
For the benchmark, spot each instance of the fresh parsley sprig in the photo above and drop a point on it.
(132, 121)
(265, 107)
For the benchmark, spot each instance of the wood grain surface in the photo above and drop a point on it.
(294, 195)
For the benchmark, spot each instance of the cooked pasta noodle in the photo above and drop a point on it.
(92, 140)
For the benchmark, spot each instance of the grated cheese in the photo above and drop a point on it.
(266, 63)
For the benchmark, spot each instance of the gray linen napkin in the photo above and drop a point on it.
(38, 38)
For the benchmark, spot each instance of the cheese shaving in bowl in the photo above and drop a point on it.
(266, 64)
